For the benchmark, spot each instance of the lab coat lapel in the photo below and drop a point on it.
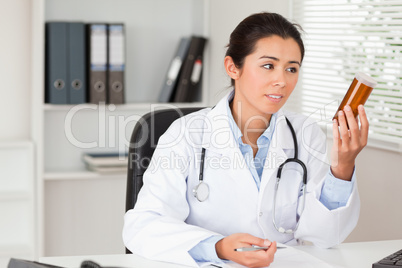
(218, 138)
(217, 135)
(282, 141)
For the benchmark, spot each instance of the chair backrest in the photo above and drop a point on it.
(143, 141)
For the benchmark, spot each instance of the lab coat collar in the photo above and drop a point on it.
(268, 132)
(282, 137)
(219, 138)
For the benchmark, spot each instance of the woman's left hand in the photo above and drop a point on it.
(347, 143)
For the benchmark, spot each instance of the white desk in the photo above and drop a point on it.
(347, 255)
(355, 255)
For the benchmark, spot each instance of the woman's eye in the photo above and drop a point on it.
(292, 70)
(268, 66)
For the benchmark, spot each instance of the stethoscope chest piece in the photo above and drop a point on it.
(201, 191)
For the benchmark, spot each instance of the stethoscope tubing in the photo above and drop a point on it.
(201, 191)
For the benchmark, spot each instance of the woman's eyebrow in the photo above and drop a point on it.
(276, 59)
(295, 61)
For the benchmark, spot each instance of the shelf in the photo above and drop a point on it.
(80, 175)
(123, 107)
(12, 144)
(15, 250)
(15, 195)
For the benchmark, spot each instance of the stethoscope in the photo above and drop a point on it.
(201, 191)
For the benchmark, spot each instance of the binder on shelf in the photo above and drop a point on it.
(56, 62)
(76, 82)
(116, 63)
(194, 91)
(169, 86)
(107, 169)
(112, 162)
(97, 62)
(105, 158)
(190, 78)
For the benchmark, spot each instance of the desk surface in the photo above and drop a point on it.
(347, 255)
(355, 255)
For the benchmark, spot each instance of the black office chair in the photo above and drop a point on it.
(143, 141)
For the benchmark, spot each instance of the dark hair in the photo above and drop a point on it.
(255, 27)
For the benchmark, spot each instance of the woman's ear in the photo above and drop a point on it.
(231, 68)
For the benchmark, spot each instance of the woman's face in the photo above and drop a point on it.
(268, 75)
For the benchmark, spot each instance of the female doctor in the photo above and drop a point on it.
(212, 186)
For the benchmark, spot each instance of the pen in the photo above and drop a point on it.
(253, 248)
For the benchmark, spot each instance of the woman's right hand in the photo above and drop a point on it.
(225, 249)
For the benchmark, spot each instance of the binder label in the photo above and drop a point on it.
(196, 74)
(98, 48)
(116, 48)
(174, 68)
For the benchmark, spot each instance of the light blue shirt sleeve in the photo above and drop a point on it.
(205, 250)
(335, 192)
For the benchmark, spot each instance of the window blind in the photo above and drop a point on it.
(343, 37)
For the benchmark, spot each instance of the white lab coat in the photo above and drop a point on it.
(168, 220)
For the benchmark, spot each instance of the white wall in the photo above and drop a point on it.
(379, 175)
(15, 69)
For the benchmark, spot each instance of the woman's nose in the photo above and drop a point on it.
(279, 79)
(280, 84)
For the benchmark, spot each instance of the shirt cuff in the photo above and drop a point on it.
(335, 192)
(205, 250)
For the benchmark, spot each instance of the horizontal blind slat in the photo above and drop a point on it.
(376, 95)
(348, 9)
(345, 15)
(375, 122)
(356, 34)
(335, 3)
(371, 112)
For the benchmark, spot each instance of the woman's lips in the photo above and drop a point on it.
(274, 97)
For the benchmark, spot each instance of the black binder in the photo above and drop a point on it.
(194, 91)
(76, 82)
(169, 86)
(189, 83)
(56, 62)
(97, 62)
(116, 63)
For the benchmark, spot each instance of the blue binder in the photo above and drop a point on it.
(56, 63)
(76, 82)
